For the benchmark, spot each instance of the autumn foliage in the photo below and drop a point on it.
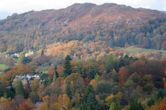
(123, 72)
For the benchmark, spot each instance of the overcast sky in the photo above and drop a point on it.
(7, 7)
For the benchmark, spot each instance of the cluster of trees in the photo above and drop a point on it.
(108, 83)
(148, 32)
(151, 36)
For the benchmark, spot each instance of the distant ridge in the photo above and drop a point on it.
(118, 25)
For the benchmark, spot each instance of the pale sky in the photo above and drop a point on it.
(7, 7)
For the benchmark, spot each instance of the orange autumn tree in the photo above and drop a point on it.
(159, 106)
(60, 70)
(20, 69)
(26, 105)
(44, 106)
(5, 104)
(123, 72)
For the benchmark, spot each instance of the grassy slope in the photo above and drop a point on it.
(141, 51)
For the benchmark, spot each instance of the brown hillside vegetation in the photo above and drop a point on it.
(116, 24)
(79, 50)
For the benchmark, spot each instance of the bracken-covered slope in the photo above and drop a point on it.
(118, 25)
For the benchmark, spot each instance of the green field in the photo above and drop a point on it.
(3, 67)
(132, 50)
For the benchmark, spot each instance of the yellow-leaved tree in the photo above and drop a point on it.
(63, 103)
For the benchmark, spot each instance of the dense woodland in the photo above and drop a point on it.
(110, 82)
(84, 57)
(117, 25)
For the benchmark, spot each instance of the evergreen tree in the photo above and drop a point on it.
(2, 89)
(10, 92)
(135, 105)
(19, 88)
(89, 101)
(67, 66)
(115, 106)
(42, 52)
